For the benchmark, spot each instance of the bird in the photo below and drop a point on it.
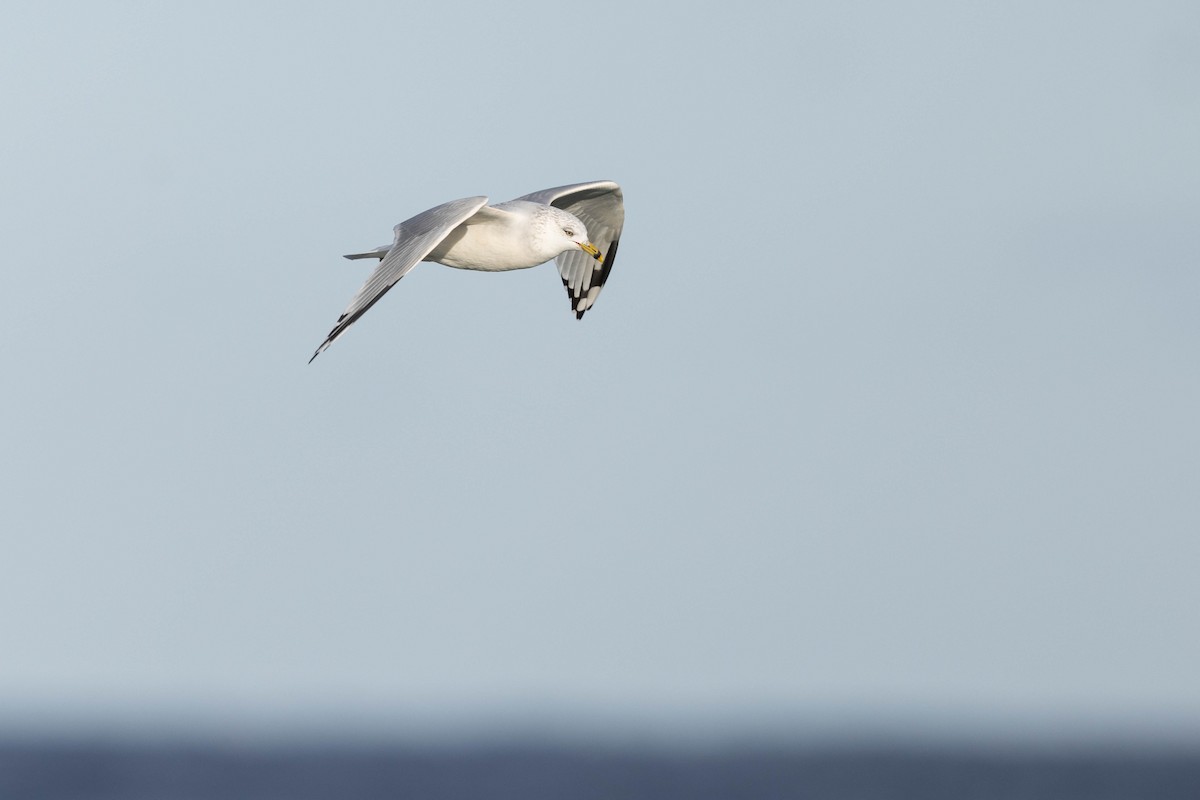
(578, 225)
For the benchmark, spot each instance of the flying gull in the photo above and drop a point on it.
(522, 233)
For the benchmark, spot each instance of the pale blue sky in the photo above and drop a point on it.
(889, 409)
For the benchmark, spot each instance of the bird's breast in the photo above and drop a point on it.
(486, 247)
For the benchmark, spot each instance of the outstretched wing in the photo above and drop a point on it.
(414, 239)
(602, 208)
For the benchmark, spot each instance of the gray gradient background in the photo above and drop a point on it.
(887, 415)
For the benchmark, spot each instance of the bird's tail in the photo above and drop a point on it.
(378, 252)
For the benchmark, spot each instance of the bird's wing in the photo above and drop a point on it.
(414, 239)
(602, 208)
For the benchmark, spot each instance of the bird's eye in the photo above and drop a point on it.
(568, 232)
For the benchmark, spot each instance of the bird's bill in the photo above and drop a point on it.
(592, 251)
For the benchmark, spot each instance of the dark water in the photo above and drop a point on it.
(146, 772)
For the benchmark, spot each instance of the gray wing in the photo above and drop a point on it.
(602, 208)
(414, 239)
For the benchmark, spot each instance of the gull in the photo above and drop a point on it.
(522, 233)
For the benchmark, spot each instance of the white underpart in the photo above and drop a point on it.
(508, 236)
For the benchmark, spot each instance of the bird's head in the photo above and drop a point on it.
(574, 234)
